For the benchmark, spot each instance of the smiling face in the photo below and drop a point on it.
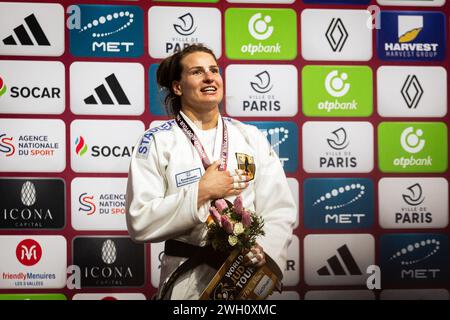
(200, 86)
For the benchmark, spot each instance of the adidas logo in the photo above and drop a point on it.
(337, 267)
(23, 35)
(104, 96)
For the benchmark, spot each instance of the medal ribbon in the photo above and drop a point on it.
(190, 134)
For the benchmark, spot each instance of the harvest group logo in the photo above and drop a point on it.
(28, 252)
(420, 147)
(411, 37)
(108, 31)
(269, 34)
(338, 203)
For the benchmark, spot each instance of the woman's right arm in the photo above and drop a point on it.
(151, 214)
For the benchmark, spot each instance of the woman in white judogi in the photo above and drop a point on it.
(179, 167)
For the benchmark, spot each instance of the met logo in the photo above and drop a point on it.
(414, 258)
(338, 203)
(283, 138)
(106, 31)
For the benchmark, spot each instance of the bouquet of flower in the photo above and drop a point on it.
(231, 226)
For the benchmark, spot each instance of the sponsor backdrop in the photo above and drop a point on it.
(351, 94)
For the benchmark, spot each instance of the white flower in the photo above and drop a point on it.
(232, 240)
(238, 228)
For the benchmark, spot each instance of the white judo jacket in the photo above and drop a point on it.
(162, 194)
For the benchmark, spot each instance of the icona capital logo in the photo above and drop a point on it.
(28, 194)
(412, 147)
(28, 252)
(80, 146)
(264, 34)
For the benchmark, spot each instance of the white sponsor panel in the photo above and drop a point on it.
(32, 145)
(413, 3)
(261, 90)
(33, 262)
(412, 91)
(261, 1)
(99, 204)
(156, 254)
(32, 29)
(293, 186)
(337, 146)
(414, 294)
(103, 145)
(170, 29)
(107, 88)
(36, 87)
(406, 203)
(339, 295)
(109, 296)
(338, 35)
(292, 270)
(285, 295)
(338, 259)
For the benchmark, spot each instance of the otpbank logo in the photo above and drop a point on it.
(283, 138)
(416, 36)
(338, 203)
(108, 31)
(264, 34)
(412, 147)
(337, 91)
(414, 258)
